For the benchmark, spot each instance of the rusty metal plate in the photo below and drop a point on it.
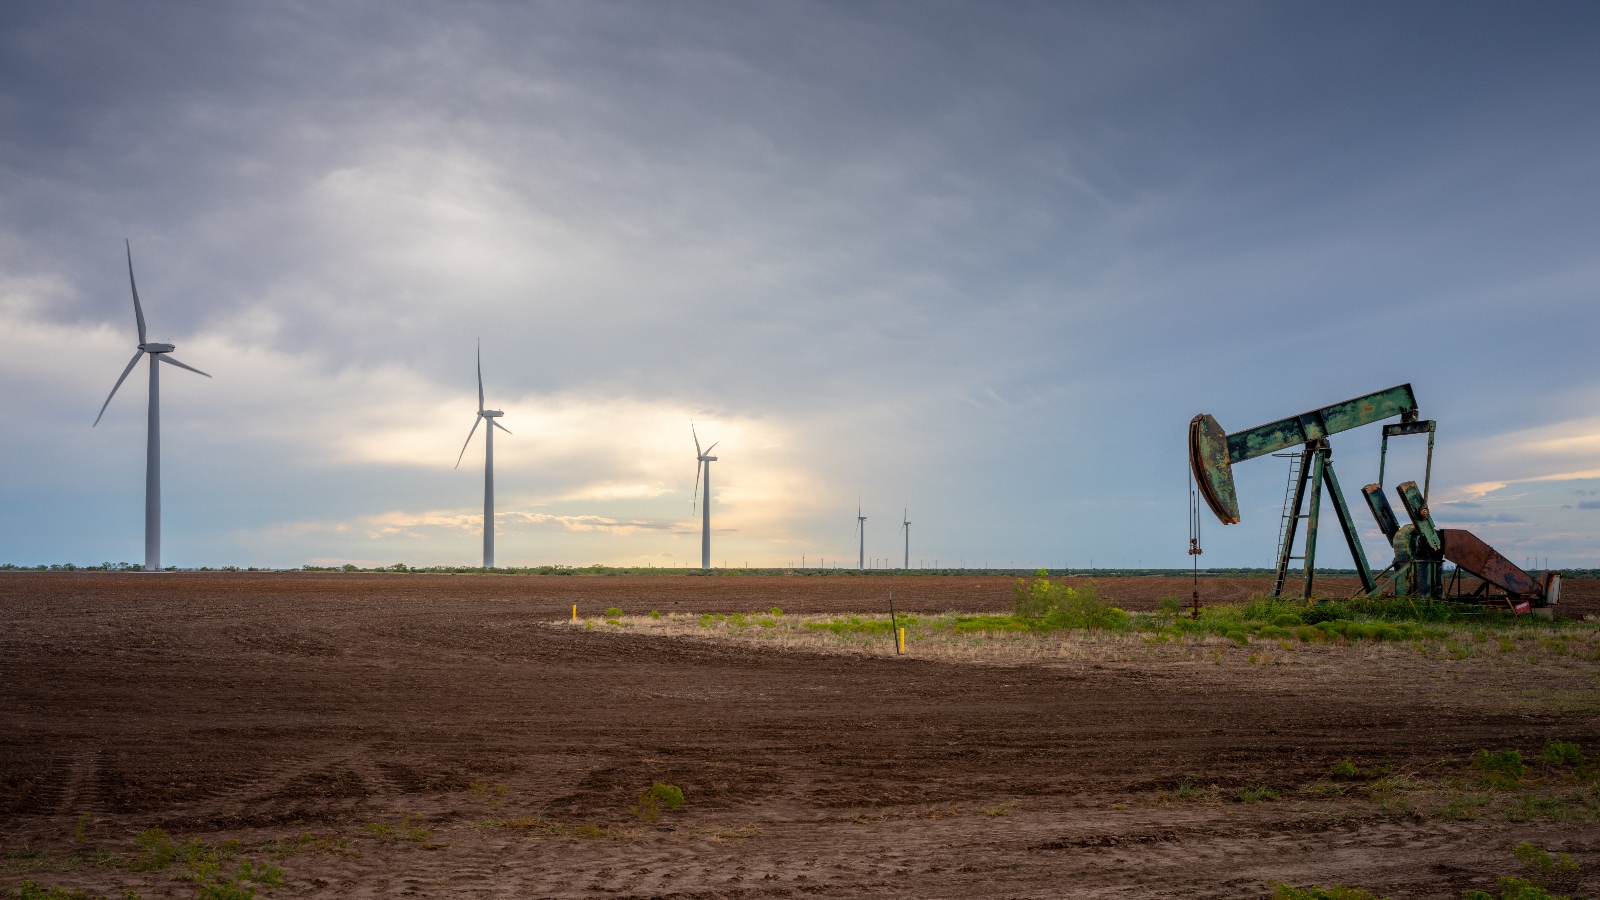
(1468, 551)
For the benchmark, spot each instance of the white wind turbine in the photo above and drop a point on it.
(152, 456)
(861, 529)
(905, 525)
(488, 464)
(703, 459)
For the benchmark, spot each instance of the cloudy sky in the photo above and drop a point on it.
(980, 261)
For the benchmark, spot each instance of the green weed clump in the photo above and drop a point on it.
(1318, 892)
(1562, 753)
(613, 612)
(1501, 769)
(660, 795)
(1043, 605)
(1542, 869)
(1257, 793)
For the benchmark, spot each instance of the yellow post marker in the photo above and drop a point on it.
(574, 612)
(902, 640)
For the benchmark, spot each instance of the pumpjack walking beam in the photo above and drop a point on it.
(1213, 453)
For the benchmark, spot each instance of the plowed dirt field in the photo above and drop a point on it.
(440, 736)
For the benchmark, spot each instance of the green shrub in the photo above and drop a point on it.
(660, 795)
(1501, 769)
(613, 613)
(1308, 634)
(1287, 620)
(654, 614)
(1533, 858)
(1237, 636)
(1344, 768)
(1273, 631)
(1045, 606)
(775, 612)
(1562, 753)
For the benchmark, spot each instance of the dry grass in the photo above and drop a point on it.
(930, 637)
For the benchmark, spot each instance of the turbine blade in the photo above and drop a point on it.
(480, 377)
(131, 363)
(694, 496)
(711, 448)
(170, 361)
(697, 451)
(138, 313)
(496, 423)
(474, 431)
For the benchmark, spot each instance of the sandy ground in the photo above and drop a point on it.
(453, 736)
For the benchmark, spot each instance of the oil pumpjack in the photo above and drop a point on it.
(1420, 547)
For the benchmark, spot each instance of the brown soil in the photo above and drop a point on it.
(257, 707)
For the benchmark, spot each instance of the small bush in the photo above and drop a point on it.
(1501, 769)
(654, 614)
(659, 795)
(1287, 620)
(1532, 858)
(613, 613)
(775, 612)
(1045, 606)
(1344, 768)
(1562, 753)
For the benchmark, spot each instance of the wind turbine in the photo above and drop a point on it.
(861, 528)
(703, 458)
(152, 454)
(905, 525)
(488, 463)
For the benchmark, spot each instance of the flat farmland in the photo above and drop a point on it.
(453, 736)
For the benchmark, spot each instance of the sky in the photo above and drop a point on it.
(974, 265)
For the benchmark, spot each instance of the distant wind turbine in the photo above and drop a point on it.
(488, 464)
(703, 459)
(905, 525)
(152, 455)
(861, 529)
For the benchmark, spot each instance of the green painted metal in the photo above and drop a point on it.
(1381, 510)
(1417, 508)
(1318, 464)
(1319, 423)
(1282, 572)
(1352, 537)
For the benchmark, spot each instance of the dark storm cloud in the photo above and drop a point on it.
(1002, 253)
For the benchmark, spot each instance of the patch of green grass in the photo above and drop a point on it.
(409, 828)
(613, 612)
(1344, 768)
(1257, 794)
(1465, 807)
(31, 891)
(655, 614)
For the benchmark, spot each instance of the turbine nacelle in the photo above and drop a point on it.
(490, 413)
(157, 348)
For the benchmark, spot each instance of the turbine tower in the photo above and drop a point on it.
(905, 525)
(861, 529)
(488, 463)
(152, 454)
(703, 459)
